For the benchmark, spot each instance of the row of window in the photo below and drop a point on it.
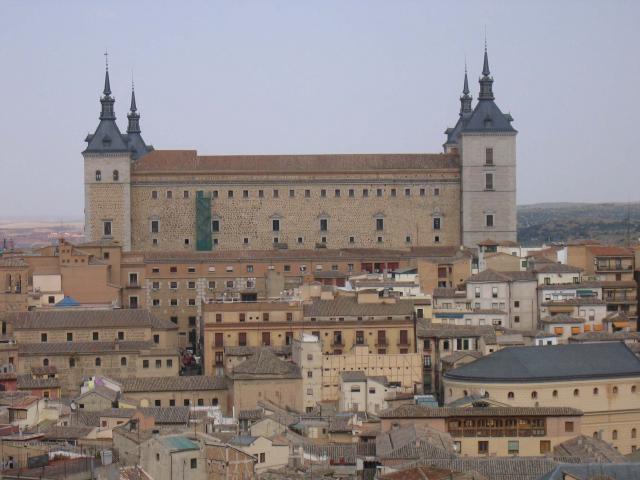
(365, 267)
(554, 393)
(123, 362)
(95, 336)
(115, 175)
(337, 193)
(380, 341)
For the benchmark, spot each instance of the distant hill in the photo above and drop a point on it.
(561, 222)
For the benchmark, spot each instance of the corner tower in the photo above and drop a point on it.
(486, 143)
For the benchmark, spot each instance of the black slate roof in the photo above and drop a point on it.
(551, 363)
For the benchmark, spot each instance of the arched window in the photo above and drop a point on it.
(576, 392)
(98, 361)
(464, 393)
(633, 389)
(614, 435)
(510, 396)
(45, 362)
(634, 432)
(98, 175)
(555, 394)
(450, 392)
(123, 361)
(116, 175)
(595, 391)
(595, 434)
(615, 390)
(486, 394)
(534, 395)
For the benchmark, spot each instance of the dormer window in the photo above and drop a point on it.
(116, 175)
(98, 176)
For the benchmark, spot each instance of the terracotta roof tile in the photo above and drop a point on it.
(188, 161)
(64, 319)
(175, 384)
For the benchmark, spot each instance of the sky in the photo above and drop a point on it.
(330, 76)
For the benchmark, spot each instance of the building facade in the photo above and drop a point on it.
(178, 200)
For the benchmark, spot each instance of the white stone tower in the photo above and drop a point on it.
(486, 143)
(107, 167)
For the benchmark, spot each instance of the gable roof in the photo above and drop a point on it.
(184, 161)
(265, 365)
(172, 384)
(551, 363)
(54, 319)
(348, 306)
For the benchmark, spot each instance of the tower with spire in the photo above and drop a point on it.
(485, 142)
(108, 159)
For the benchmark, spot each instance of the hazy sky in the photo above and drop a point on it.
(325, 76)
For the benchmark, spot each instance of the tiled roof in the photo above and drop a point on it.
(265, 364)
(454, 357)
(572, 286)
(422, 411)
(282, 350)
(604, 336)
(610, 251)
(561, 318)
(551, 363)
(414, 441)
(57, 432)
(64, 319)
(172, 384)
(442, 292)
(26, 382)
(242, 440)
(425, 472)
(498, 468)
(587, 449)
(83, 347)
(348, 306)
(161, 415)
(594, 471)
(255, 414)
(425, 329)
(555, 268)
(356, 376)
(188, 161)
(489, 276)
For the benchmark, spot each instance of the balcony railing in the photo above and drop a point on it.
(337, 342)
(382, 342)
(497, 432)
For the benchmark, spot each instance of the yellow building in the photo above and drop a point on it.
(601, 379)
(385, 325)
(492, 430)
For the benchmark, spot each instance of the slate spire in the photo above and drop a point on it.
(107, 101)
(133, 115)
(486, 81)
(465, 99)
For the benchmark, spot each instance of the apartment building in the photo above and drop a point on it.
(84, 343)
(384, 324)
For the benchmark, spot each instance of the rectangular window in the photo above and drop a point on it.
(260, 193)
(423, 192)
(265, 317)
(215, 194)
(155, 226)
(489, 156)
(379, 224)
(307, 193)
(352, 193)
(230, 194)
(106, 228)
(378, 192)
(69, 337)
(245, 194)
(185, 194)
(169, 194)
(324, 224)
(513, 447)
(275, 225)
(568, 426)
(436, 192)
(545, 446)
(215, 225)
(95, 336)
(489, 220)
(43, 337)
(436, 223)
(337, 192)
(488, 181)
(323, 193)
(407, 192)
(242, 339)
(154, 194)
(393, 192)
(483, 447)
(276, 194)
(292, 193)
(365, 192)
(266, 339)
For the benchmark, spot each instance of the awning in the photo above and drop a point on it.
(621, 324)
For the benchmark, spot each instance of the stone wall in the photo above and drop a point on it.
(254, 204)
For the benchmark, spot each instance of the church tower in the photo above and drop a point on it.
(107, 168)
(486, 143)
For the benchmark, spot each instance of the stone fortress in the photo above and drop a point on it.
(176, 200)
